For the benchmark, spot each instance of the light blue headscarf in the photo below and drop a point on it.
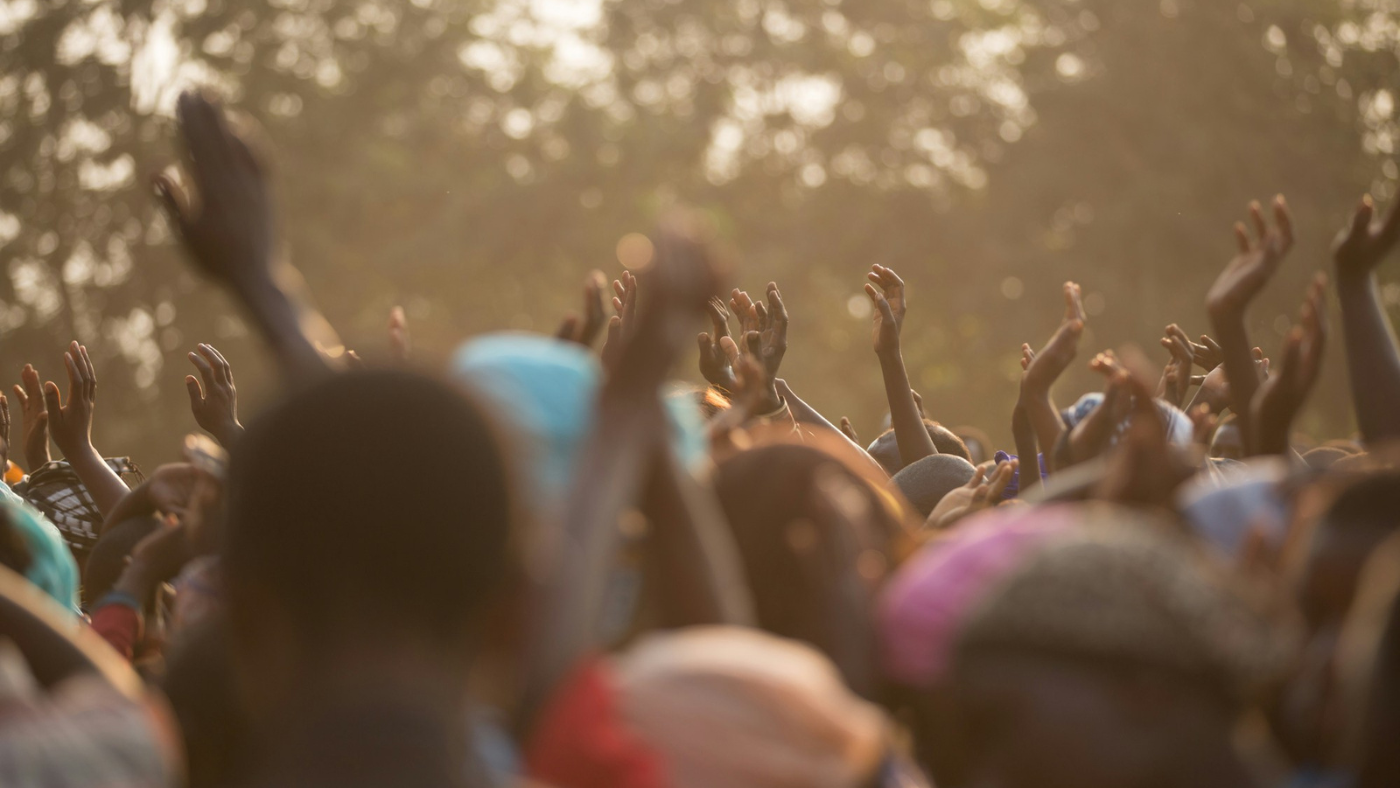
(544, 389)
(51, 565)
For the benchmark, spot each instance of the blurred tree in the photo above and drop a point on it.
(472, 161)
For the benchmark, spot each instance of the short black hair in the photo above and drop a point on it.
(108, 556)
(374, 500)
(886, 451)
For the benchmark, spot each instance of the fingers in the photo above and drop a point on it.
(760, 315)
(996, 490)
(206, 370)
(918, 402)
(1256, 219)
(51, 398)
(75, 375)
(753, 344)
(719, 317)
(849, 431)
(173, 201)
(567, 330)
(222, 368)
(1241, 237)
(89, 373)
(1284, 220)
(1074, 303)
(196, 394)
(776, 308)
(1361, 220)
(980, 473)
(880, 302)
(33, 389)
(22, 397)
(730, 348)
(4, 417)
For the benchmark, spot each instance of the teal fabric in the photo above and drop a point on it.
(544, 391)
(51, 565)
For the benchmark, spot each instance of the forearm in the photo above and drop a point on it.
(1239, 368)
(281, 320)
(103, 484)
(569, 600)
(1024, 435)
(909, 432)
(806, 414)
(1043, 419)
(1373, 361)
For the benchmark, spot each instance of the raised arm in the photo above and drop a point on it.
(1229, 298)
(1373, 360)
(908, 422)
(1045, 367)
(228, 228)
(71, 425)
(1281, 396)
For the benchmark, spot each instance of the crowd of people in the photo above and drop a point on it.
(581, 574)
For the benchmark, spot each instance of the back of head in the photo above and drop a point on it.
(925, 482)
(348, 556)
(789, 547)
(1123, 591)
(214, 725)
(108, 557)
(886, 451)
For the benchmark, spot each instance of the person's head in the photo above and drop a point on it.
(924, 483)
(886, 451)
(109, 556)
(979, 444)
(1113, 656)
(35, 548)
(816, 539)
(326, 566)
(924, 606)
(1309, 716)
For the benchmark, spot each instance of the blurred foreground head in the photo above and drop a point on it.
(1112, 656)
(329, 567)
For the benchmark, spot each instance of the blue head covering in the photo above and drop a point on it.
(545, 390)
(51, 565)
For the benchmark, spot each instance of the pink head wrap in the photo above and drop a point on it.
(925, 604)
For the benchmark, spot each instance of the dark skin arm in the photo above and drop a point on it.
(34, 419)
(908, 423)
(1023, 432)
(71, 425)
(1373, 358)
(1229, 298)
(1279, 399)
(803, 413)
(616, 464)
(1046, 367)
(229, 232)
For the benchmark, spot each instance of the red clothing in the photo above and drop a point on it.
(120, 626)
(580, 742)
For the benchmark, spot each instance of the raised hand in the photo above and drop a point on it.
(71, 426)
(1143, 469)
(34, 419)
(1228, 299)
(215, 406)
(71, 423)
(885, 330)
(1042, 369)
(893, 288)
(625, 298)
(1279, 398)
(1258, 258)
(772, 330)
(228, 223)
(905, 415)
(401, 345)
(849, 431)
(585, 331)
(1373, 358)
(1362, 246)
(1176, 377)
(715, 364)
(1046, 366)
(1207, 353)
